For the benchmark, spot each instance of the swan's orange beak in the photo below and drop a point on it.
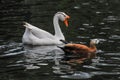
(66, 21)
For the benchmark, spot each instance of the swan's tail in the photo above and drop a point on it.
(27, 25)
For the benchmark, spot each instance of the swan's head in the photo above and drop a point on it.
(63, 17)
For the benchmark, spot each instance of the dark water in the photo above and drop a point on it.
(89, 19)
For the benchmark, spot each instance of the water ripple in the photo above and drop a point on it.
(77, 75)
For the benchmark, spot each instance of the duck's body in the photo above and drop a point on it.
(37, 36)
(83, 50)
(82, 54)
(80, 49)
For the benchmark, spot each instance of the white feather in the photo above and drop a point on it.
(36, 36)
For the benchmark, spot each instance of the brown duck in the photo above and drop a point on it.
(79, 49)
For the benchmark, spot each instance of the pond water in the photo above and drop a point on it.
(90, 19)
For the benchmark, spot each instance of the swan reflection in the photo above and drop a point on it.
(42, 50)
(41, 55)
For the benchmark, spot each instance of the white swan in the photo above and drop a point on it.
(36, 36)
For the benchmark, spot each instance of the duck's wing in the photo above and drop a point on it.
(75, 48)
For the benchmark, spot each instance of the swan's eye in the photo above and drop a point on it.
(64, 15)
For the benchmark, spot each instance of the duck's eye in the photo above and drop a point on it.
(96, 41)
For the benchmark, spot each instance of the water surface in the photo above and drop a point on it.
(89, 19)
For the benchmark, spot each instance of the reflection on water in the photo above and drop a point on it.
(48, 61)
(89, 19)
(38, 54)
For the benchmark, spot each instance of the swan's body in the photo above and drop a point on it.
(37, 36)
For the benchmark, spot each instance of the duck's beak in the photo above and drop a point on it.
(66, 21)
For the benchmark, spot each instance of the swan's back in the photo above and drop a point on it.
(31, 39)
(39, 32)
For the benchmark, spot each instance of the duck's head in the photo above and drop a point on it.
(63, 17)
(95, 41)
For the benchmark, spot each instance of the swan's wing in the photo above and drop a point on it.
(43, 41)
(39, 33)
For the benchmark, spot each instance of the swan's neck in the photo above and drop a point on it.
(58, 32)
